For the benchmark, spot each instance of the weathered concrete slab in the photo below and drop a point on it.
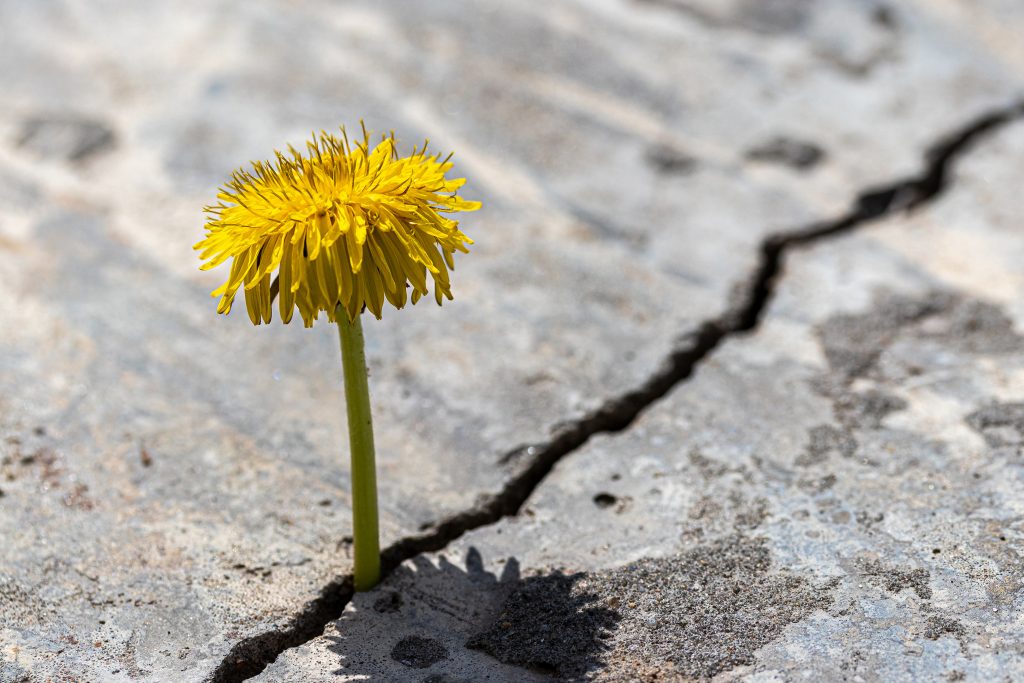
(173, 482)
(836, 497)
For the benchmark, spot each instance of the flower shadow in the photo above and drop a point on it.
(441, 623)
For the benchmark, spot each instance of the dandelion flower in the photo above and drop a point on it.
(345, 226)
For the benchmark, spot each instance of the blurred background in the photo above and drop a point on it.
(632, 157)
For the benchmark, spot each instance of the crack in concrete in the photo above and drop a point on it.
(252, 655)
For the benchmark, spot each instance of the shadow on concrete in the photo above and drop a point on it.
(446, 624)
(550, 624)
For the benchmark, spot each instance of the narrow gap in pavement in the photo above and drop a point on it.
(251, 656)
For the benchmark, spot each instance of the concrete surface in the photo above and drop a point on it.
(173, 483)
(836, 497)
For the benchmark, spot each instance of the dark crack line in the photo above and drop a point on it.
(252, 655)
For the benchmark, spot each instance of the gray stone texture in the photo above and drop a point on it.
(836, 497)
(173, 482)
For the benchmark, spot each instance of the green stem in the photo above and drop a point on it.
(365, 531)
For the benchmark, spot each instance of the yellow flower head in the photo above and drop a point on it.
(344, 225)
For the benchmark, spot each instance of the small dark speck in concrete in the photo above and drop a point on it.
(670, 160)
(70, 137)
(786, 151)
(867, 409)
(885, 17)
(1000, 424)
(604, 500)
(391, 601)
(824, 440)
(869, 519)
(690, 616)
(418, 653)
(895, 580)
(940, 626)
